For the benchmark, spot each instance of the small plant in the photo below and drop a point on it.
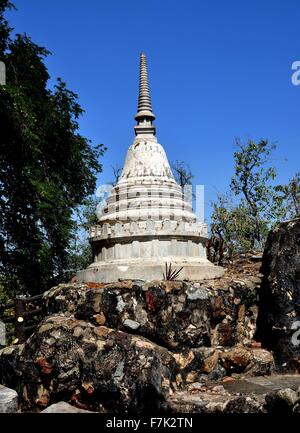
(171, 274)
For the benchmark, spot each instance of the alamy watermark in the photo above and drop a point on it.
(125, 201)
(2, 74)
(2, 333)
(295, 337)
(296, 74)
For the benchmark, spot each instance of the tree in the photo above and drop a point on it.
(289, 196)
(117, 171)
(252, 179)
(230, 223)
(80, 251)
(243, 218)
(47, 168)
(182, 173)
(4, 27)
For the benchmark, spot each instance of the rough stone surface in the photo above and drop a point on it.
(262, 362)
(96, 368)
(9, 360)
(63, 407)
(282, 401)
(177, 315)
(273, 394)
(279, 318)
(251, 361)
(8, 400)
(236, 359)
(213, 402)
(199, 332)
(197, 365)
(137, 346)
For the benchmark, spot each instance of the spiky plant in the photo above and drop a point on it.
(170, 273)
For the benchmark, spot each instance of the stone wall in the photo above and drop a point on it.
(175, 314)
(127, 347)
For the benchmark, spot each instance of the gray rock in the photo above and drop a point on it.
(194, 293)
(279, 314)
(63, 407)
(214, 401)
(132, 324)
(262, 363)
(288, 395)
(274, 394)
(282, 401)
(244, 404)
(8, 400)
(120, 305)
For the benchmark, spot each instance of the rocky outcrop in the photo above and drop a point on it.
(177, 315)
(130, 345)
(136, 346)
(279, 317)
(214, 401)
(285, 401)
(96, 368)
(72, 358)
(206, 364)
(274, 394)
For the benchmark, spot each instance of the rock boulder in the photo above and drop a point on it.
(95, 368)
(279, 315)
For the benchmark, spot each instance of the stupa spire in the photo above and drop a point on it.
(144, 116)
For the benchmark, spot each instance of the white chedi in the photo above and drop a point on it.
(147, 222)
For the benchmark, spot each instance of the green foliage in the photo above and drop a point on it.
(243, 217)
(289, 196)
(4, 296)
(80, 256)
(231, 223)
(4, 27)
(80, 251)
(252, 181)
(47, 168)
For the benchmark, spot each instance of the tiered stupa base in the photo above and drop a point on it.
(150, 269)
(139, 250)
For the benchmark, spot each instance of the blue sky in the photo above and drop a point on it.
(218, 70)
